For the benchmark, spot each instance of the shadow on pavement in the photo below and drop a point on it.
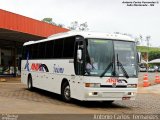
(86, 104)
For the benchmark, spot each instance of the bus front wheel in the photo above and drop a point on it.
(66, 92)
(29, 85)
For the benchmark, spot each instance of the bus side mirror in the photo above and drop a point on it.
(79, 54)
(139, 57)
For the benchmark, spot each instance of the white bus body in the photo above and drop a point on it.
(115, 77)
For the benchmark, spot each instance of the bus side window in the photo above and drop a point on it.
(41, 50)
(58, 48)
(29, 51)
(49, 49)
(24, 52)
(68, 50)
(35, 51)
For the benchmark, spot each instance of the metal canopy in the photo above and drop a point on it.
(17, 36)
(154, 61)
(15, 27)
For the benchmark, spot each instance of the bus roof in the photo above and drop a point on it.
(85, 35)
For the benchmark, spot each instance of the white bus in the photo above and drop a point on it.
(85, 66)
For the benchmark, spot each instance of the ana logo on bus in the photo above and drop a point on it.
(39, 67)
(57, 69)
(112, 80)
(115, 80)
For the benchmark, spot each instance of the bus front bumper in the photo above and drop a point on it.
(108, 94)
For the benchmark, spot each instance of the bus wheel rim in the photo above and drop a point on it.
(67, 92)
(29, 84)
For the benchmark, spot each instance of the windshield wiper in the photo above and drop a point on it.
(122, 68)
(108, 67)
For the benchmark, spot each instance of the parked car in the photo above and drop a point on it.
(158, 69)
(151, 69)
(142, 69)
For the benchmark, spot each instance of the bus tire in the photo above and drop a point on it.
(66, 96)
(29, 83)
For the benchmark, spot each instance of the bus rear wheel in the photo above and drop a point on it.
(66, 92)
(29, 84)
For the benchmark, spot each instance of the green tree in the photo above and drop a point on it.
(154, 52)
(60, 25)
(83, 26)
(139, 39)
(76, 26)
(50, 21)
(154, 55)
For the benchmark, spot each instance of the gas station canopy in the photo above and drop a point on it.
(154, 61)
(16, 29)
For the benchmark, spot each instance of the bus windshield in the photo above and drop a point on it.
(111, 58)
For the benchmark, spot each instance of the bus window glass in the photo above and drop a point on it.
(125, 51)
(34, 51)
(24, 52)
(68, 47)
(41, 50)
(29, 51)
(100, 55)
(58, 48)
(49, 49)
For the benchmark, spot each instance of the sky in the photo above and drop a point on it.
(101, 15)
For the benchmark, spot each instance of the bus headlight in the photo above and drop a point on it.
(93, 94)
(93, 85)
(132, 86)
